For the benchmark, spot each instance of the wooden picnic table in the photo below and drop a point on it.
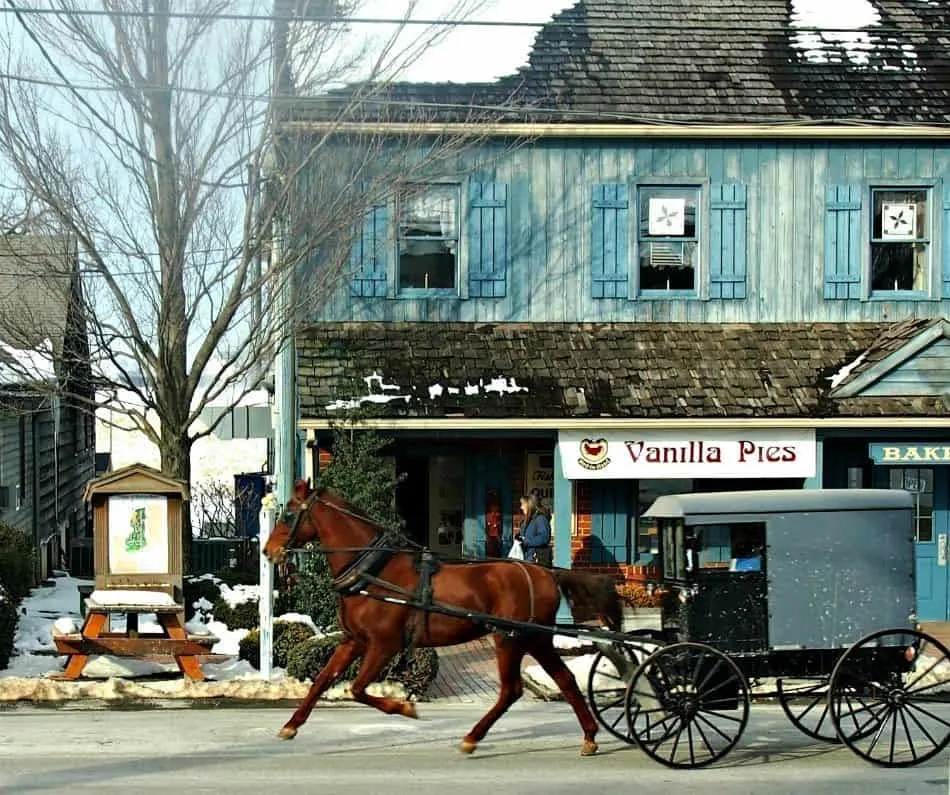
(94, 638)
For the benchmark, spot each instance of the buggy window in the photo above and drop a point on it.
(738, 546)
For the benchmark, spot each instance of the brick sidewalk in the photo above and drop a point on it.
(468, 674)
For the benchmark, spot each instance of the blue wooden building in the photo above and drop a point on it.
(694, 248)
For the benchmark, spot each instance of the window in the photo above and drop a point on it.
(900, 240)
(428, 238)
(919, 481)
(731, 547)
(668, 239)
(648, 541)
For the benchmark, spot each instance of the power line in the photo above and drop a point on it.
(551, 24)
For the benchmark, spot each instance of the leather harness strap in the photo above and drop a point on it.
(527, 575)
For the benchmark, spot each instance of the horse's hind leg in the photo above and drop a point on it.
(542, 649)
(344, 654)
(509, 654)
(374, 660)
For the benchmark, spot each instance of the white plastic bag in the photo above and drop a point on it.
(517, 551)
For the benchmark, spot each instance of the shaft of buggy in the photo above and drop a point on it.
(495, 623)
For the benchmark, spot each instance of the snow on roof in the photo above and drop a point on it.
(844, 28)
(20, 366)
(498, 384)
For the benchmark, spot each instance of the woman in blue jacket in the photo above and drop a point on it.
(535, 532)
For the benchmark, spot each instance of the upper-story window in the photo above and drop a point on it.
(668, 239)
(900, 240)
(428, 242)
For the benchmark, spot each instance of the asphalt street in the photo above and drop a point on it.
(353, 749)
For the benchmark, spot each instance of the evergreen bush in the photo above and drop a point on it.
(194, 589)
(362, 473)
(8, 619)
(415, 671)
(287, 636)
(244, 615)
(17, 562)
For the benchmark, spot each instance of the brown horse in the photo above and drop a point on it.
(376, 631)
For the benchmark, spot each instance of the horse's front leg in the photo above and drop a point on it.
(374, 660)
(344, 654)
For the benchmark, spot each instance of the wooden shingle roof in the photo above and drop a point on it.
(703, 61)
(647, 370)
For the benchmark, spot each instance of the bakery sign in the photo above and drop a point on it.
(771, 453)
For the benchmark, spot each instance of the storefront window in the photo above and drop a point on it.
(919, 481)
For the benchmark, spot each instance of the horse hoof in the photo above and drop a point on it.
(409, 710)
(589, 748)
(287, 733)
(467, 746)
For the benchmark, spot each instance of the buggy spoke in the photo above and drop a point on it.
(713, 726)
(699, 731)
(921, 726)
(722, 715)
(910, 685)
(928, 713)
(689, 737)
(715, 668)
(877, 734)
(910, 741)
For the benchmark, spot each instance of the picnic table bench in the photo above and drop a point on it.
(94, 638)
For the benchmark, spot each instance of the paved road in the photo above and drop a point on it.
(354, 750)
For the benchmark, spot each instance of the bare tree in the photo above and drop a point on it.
(146, 134)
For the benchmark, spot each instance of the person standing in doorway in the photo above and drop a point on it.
(535, 532)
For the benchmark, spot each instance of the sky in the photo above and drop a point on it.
(468, 54)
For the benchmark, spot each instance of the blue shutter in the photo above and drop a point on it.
(610, 246)
(727, 248)
(843, 242)
(946, 241)
(610, 521)
(488, 239)
(369, 257)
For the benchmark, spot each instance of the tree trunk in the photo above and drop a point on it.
(176, 463)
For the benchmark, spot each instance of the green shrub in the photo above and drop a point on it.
(314, 595)
(8, 619)
(244, 615)
(287, 636)
(17, 562)
(415, 671)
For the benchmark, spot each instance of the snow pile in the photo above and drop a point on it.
(119, 597)
(39, 612)
(238, 594)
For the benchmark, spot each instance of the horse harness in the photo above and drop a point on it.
(365, 568)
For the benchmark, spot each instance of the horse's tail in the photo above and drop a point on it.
(591, 596)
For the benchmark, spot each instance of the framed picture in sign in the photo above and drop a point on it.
(138, 534)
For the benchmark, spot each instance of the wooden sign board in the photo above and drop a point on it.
(137, 522)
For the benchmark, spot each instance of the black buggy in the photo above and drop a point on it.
(807, 597)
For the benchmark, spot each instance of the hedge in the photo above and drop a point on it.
(8, 619)
(287, 635)
(415, 671)
(17, 562)
(246, 615)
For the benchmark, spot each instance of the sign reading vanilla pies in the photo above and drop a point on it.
(771, 453)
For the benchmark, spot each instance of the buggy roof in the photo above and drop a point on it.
(675, 506)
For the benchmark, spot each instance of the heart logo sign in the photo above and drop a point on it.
(593, 454)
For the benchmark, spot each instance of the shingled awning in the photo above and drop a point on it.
(625, 370)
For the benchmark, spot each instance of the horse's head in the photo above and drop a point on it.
(294, 526)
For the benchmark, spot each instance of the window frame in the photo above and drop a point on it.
(700, 291)
(461, 266)
(934, 189)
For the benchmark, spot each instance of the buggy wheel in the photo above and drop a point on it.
(687, 705)
(806, 706)
(610, 673)
(890, 697)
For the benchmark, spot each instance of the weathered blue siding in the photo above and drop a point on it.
(553, 265)
(926, 373)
